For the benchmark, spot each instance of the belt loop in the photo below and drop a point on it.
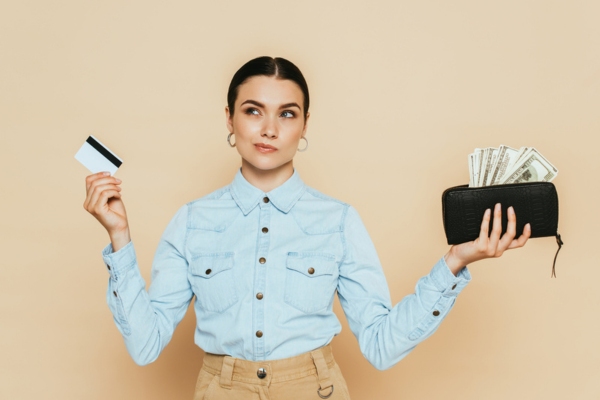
(227, 372)
(322, 374)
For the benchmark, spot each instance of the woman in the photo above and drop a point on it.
(264, 257)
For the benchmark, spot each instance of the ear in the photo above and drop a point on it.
(228, 119)
(305, 124)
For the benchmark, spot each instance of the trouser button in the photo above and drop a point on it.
(261, 373)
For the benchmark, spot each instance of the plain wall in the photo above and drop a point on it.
(401, 92)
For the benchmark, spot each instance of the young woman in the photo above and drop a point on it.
(264, 257)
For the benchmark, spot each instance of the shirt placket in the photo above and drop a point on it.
(260, 278)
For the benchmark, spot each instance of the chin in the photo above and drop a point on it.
(266, 165)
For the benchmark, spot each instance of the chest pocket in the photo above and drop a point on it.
(310, 281)
(212, 279)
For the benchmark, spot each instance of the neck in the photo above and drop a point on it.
(267, 180)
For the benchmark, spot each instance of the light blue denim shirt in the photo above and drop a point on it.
(265, 268)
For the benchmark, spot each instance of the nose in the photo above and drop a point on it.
(270, 129)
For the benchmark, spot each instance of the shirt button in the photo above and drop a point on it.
(264, 230)
(262, 260)
(108, 266)
(115, 293)
(261, 373)
(259, 334)
(311, 270)
(436, 313)
(208, 271)
(265, 199)
(454, 286)
(259, 296)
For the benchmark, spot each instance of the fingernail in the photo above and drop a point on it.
(118, 180)
(511, 210)
(106, 173)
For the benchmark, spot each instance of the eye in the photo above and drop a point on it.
(251, 111)
(288, 114)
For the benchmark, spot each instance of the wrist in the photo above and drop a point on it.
(454, 263)
(119, 239)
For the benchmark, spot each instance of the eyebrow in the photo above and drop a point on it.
(259, 104)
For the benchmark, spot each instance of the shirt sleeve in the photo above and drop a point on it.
(387, 334)
(147, 320)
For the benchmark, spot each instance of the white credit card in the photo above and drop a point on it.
(97, 157)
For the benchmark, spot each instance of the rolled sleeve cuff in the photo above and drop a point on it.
(446, 282)
(119, 262)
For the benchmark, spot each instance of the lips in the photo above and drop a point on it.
(265, 148)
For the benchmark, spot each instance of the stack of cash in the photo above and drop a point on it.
(496, 166)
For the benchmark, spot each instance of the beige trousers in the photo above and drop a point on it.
(313, 375)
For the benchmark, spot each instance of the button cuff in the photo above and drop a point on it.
(448, 284)
(119, 262)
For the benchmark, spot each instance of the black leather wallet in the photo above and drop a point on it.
(534, 202)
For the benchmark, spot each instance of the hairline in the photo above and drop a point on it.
(276, 76)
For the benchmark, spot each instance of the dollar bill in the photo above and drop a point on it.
(494, 166)
(531, 167)
(471, 169)
(481, 158)
(489, 169)
(476, 167)
(507, 156)
(522, 152)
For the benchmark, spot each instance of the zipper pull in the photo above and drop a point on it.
(560, 243)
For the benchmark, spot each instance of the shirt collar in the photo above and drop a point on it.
(283, 197)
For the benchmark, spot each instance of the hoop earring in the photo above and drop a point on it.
(229, 140)
(305, 147)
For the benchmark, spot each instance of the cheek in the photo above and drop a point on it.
(293, 127)
(291, 145)
(244, 127)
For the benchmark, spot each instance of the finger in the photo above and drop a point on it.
(511, 230)
(98, 182)
(97, 194)
(91, 178)
(96, 199)
(485, 226)
(496, 229)
(106, 195)
(521, 240)
(100, 185)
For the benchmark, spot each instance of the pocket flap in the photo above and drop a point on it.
(208, 265)
(312, 265)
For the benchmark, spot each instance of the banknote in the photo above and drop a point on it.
(531, 167)
(507, 156)
(471, 169)
(490, 161)
(495, 166)
(476, 166)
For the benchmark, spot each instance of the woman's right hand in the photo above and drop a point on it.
(103, 201)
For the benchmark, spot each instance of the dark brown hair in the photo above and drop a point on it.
(267, 66)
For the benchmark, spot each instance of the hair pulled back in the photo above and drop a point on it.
(278, 67)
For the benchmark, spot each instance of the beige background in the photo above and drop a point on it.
(401, 91)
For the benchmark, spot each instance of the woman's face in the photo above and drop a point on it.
(267, 123)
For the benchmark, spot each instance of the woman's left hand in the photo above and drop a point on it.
(488, 245)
